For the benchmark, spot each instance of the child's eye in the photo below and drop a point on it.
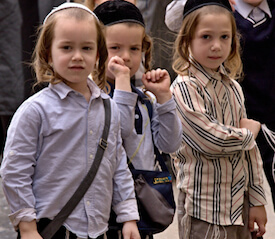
(205, 36)
(114, 47)
(66, 47)
(87, 48)
(135, 48)
(225, 37)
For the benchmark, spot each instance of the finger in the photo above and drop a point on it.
(251, 225)
(158, 73)
(144, 79)
(119, 60)
(163, 73)
(261, 230)
(153, 75)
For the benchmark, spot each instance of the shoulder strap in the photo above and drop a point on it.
(159, 157)
(57, 222)
(144, 99)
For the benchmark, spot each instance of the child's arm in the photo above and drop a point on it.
(130, 230)
(158, 82)
(29, 230)
(165, 124)
(123, 95)
(257, 214)
(121, 73)
(204, 130)
(252, 125)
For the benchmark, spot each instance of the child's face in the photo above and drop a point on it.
(254, 3)
(212, 40)
(125, 41)
(74, 50)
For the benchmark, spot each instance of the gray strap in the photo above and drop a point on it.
(59, 219)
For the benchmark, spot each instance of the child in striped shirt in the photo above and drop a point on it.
(220, 174)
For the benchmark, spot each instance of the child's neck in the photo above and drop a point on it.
(215, 73)
(111, 80)
(87, 95)
(82, 89)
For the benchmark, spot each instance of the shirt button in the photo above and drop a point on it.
(11, 153)
(88, 203)
(91, 156)
(136, 116)
(91, 132)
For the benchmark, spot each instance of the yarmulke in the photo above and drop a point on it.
(118, 11)
(192, 5)
(67, 5)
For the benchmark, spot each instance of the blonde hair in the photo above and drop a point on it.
(181, 62)
(147, 48)
(42, 52)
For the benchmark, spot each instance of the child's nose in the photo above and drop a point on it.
(216, 45)
(77, 56)
(125, 55)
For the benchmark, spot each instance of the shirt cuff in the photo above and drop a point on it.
(256, 196)
(166, 107)
(249, 141)
(126, 211)
(26, 215)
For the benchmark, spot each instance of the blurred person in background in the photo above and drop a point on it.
(11, 76)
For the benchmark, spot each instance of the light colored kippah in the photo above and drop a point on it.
(67, 5)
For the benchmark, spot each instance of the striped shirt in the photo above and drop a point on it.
(218, 161)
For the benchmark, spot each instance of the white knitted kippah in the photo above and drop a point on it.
(67, 5)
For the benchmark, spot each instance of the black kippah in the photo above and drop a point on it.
(192, 5)
(118, 11)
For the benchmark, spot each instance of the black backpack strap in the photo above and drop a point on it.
(145, 100)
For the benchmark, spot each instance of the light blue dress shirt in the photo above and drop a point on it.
(51, 144)
(164, 129)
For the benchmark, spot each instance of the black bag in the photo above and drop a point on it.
(154, 190)
(155, 198)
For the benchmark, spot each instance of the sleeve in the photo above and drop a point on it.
(166, 126)
(19, 162)
(255, 171)
(126, 102)
(201, 131)
(124, 200)
(255, 186)
(174, 15)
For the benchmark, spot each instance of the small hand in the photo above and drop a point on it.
(158, 82)
(253, 125)
(28, 230)
(121, 72)
(117, 66)
(130, 230)
(257, 214)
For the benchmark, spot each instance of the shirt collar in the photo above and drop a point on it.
(63, 90)
(244, 8)
(205, 75)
